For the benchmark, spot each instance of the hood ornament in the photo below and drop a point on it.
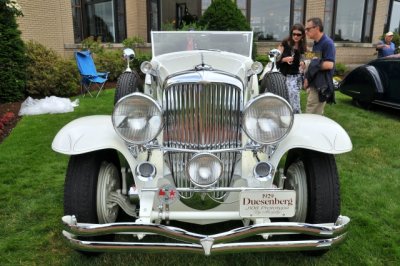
(203, 66)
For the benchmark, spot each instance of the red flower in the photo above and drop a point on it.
(7, 118)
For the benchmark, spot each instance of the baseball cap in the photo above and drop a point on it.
(389, 33)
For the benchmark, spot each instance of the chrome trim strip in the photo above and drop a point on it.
(330, 235)
(218, 189)
(173, 149)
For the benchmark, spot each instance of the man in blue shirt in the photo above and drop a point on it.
(386, 47)
(324, 49)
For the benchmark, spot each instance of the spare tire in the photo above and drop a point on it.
(127, 83)
(275, 82)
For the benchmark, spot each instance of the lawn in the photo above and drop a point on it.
(31, 196)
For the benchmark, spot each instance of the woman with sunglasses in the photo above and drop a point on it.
(291, 65)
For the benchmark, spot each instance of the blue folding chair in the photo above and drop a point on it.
(89, 76)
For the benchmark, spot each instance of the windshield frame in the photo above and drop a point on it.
(238, 42)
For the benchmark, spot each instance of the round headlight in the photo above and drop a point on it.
(267, 118)
(204, 169)
(137, 118)
(146, 67)
(256, 67)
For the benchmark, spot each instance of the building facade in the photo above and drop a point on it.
(355, 25)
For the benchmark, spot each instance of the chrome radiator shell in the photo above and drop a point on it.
(202, 111)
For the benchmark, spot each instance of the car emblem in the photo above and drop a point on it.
(167, 194)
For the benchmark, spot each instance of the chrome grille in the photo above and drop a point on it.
(202, 116)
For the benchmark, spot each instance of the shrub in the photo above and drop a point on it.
(170, 26)
(95, 46)
(12, 54)
(48, 73)
(110, 61)
(225, 16)
(132, 42)
(340, 69)
(113, 62)
(139, 59)
(263, 59)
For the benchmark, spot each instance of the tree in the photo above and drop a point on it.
(224, 15)
(12, 53)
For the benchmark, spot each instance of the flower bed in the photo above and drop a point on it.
(8, 118)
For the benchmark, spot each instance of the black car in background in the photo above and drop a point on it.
(377, 82)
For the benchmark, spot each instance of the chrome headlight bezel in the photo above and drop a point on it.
(267, 112)
(204, 160)
(142, 117)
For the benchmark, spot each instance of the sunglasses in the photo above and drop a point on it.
(309, 28)
(297, 34)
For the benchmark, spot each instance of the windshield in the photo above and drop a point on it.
(239, 42)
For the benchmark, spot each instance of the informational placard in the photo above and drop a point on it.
(255, 203)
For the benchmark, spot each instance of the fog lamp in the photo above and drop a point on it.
(263, 171)
(204, 169)
(145, 171)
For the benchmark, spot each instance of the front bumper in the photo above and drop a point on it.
(321, 236)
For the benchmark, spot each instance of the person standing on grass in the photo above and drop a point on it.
(291, 64)
(320, 69)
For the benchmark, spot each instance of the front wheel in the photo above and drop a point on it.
(90, 181)
(314, 177)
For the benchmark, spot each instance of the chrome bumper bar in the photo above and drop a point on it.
(326, 236)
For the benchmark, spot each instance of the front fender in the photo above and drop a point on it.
(315, 132)
(88, 134)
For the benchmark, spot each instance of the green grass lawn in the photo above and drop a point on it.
(31, 196)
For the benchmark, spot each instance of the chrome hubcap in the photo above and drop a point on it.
(108, 182)
(296, 179)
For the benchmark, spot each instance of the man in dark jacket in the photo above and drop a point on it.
(323, 49)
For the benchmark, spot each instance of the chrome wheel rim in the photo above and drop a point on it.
(108, 182)
(296, 179)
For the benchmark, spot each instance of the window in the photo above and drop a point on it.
(77, 20)
(272, 20)
(349, 21)
(394, 25)
(102, 19)
(204, 5)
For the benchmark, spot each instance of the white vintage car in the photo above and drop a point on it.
(199, 150)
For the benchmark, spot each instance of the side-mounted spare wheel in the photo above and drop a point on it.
(90, 180)
(275, 82)
(314, 177)
(127, 83)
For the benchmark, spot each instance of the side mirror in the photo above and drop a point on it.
(129, 54)
(274, 53)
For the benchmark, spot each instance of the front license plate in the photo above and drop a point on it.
(262, 203)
